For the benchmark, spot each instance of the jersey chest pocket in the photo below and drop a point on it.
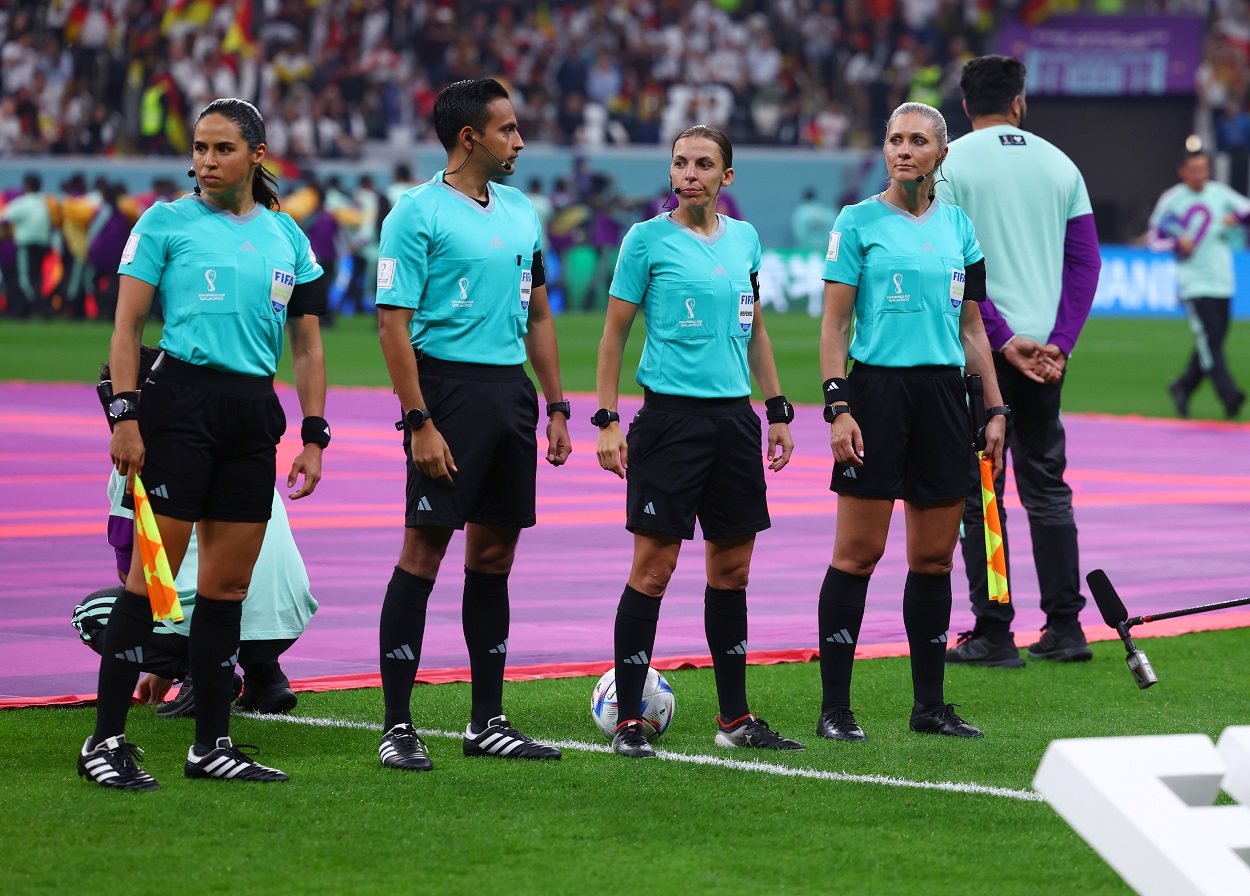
(953, 283)
(280, 277)
(462, 293)
(744, 314)
(689, 310)
(212, 284)
(898, 284)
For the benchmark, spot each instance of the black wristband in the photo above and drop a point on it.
(836, 388)
(778, 410)
(832, 411)
(315, 431)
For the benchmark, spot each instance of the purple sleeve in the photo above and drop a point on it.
(121, 535)
(1081, 264)
(996, 329)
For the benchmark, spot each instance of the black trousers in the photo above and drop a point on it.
(1208, 320)
(1037, 447)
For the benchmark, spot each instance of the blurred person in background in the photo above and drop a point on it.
(28, 220)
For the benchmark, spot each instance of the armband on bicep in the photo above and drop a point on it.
(538, 271)
(309, 298)
(974, 286)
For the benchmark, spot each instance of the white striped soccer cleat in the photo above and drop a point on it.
(229, 762)
(499, 738)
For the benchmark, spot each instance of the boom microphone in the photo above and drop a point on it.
(1109, 603)
(507, 166)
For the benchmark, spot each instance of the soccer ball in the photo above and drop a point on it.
(658, 704)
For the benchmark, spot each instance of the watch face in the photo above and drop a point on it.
(118, 406)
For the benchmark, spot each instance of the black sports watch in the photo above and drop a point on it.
(560, 407)
(832, 411)
(123, 406)
(603, 417)
(415, 419)
(998, 411)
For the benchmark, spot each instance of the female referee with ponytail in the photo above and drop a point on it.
(694, 448)
(909, 271)
(231, 272)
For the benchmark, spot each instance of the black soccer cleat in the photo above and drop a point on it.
(403, 748)
(942, 719)
(630, 740)
(983, 649)
(499, 738)
(749, 731)
(1180, 399)
(230, 762)
(115, 763)
(838, 723)
(1064, 642)
(269, 697)
(183, 706)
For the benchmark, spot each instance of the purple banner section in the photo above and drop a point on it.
(1108, 55)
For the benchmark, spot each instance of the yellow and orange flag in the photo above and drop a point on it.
(156, 571)
(995, 552)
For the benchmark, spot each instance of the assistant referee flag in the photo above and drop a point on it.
(156, 572)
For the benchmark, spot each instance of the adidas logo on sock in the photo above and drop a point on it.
(940, 639)
(231, 661)
(638, 659)
(850, 473)
(502, 648)
(424, 504)
(842, 637)
(401, 653)
(134, 655)
(739, 649)
(160, 491)
(650, 508)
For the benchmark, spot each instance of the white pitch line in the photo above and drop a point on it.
(746, 765)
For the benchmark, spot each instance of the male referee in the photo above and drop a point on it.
(1032, 215)
(461, 302)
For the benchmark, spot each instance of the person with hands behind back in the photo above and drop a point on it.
(907, 269)
(232, 272)
(462, 301)
(693, 451)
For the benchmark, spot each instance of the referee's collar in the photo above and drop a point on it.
(904, 213)
(711, 239)
(490, 191)
(229, 216)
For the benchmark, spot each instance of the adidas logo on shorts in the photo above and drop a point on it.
(424, 504)
(850, 473)
(650, 508)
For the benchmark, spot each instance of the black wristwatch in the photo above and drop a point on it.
(998, 411)
(123, 406)
(560, 407)
(603, 417)
(415, 419)
(832, 411)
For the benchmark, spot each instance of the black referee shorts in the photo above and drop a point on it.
(916, 441)
(211, 442)
(696, 457)
(488, 415)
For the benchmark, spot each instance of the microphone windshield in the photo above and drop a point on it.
(1109, 603)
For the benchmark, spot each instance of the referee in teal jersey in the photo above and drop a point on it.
(908, 270)
(462, 301)
(693, 451)
(232, 273)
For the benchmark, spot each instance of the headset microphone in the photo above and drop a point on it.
(507, 166)
(921, 178)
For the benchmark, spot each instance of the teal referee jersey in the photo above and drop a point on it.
(909, 273)
(698, 303)
(224, 280)
(464, 269)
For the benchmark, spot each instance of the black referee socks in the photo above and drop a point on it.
(840, 614)
(401, 630)
(927, 616)
(121, 660)
(636, 618)
(212, 652)
(725, 624)
(485, 617)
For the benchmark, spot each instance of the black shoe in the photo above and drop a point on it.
(1233, 406)
(838, 723)
(183, 706)
(270, 697)
(403, 748)
(630, 740)
(230, 762)
(499, 738)
(1180, 399)
(749, 731)
(983, 649)
(1065, 643)
(943, 720)
(115, 763)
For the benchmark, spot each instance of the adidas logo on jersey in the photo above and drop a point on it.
(495, 243)
(501, 648)
(160, 491)
(424, 504)
(401, 653)
(927, 248)
(650, 508)
(638, 659)
(739, 649)
(842, 637)
(720, 271)
(247, 246)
